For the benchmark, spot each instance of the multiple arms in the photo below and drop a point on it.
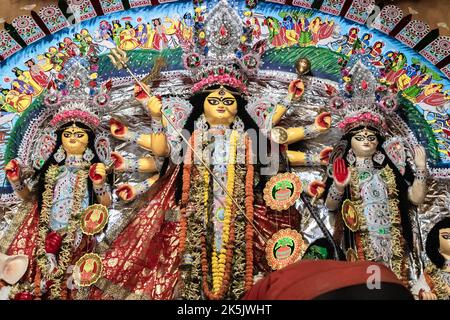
(156, 142)
(97, 174)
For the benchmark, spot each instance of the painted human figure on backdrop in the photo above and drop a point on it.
(160, 40)
(434, 283)
(371, 184)
(190, 241)
(37, 73)
(68, 177)
(128, 38)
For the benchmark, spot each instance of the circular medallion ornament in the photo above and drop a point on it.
(285, 247)
(251, 4)
(251, 61)
(94, 219)
(337, 104)
(389, 104)
(22, 22)
(392, 13)
(101, 99)
(350, 215)
(282, 191)
(49, 12)
(88, 269)
(419, 27)
(302, 66)
(279, 135)
(192, 61)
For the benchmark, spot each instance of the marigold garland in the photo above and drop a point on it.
(194, 247)
(249, 199)
(218, 262)
(187, 168)
(37, 283)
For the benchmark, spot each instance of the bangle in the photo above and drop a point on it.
(101, 190)
(335, 194)
(286, 102)
(309, 131)
(132, 136)
(421, 174)
(131, 165)
(312, 159)
(156, 126)
(18, 186)
(142, 187)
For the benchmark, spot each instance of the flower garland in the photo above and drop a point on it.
(218, 262)
(190, 244)
(221, 264)
(238, 260)
(237, 285)
(185, 194)
(75, 115)
(67, 242)
(191, 268)
(249, 209)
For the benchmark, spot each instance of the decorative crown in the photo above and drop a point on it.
(362, 100)
(75, 96)
(223, 58)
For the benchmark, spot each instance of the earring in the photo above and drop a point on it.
(351, 157)
(378, 157)
(60, 155)
(88, 155)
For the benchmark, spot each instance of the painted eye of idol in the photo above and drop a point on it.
(73, 133)
(369, 137)
(445, 235)
(216, 101)
(444, 242)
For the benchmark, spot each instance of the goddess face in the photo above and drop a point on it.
(364, 143)
(220, 107)
(74, 140)
(444, 242)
